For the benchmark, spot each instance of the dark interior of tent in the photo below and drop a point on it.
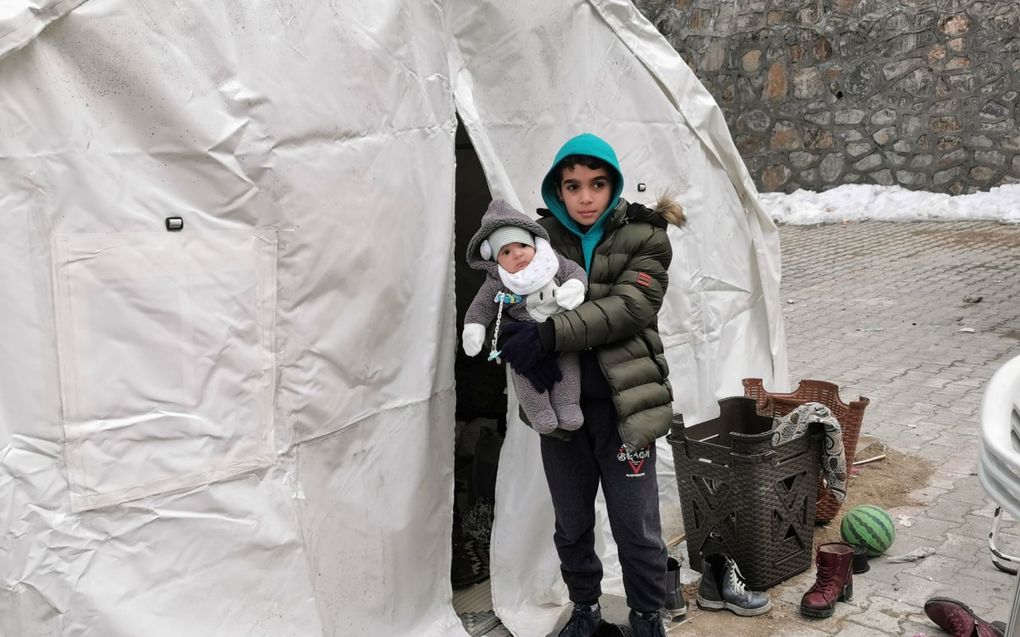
(481, 391)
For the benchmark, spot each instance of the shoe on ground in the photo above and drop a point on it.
(722, 588)
(584, 621)
(675, 606)
(957, 619)
(834, 580)
(647, 624)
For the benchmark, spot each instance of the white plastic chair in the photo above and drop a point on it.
(999, 462)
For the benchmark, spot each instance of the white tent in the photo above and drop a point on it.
(246, 427)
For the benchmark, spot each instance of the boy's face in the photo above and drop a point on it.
(585, 193)
(514, 257)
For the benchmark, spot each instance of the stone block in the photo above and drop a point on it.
(809, 176)
(822, 49)
(981, 174)
(944, 124)
(785, 136)
(850, 116)
(832, 166)
(754, 120)
(800, 159)
(922, 161)
(918, 82)
(910, 178)
(751, 60)
(1015, 165)
(963, 83)
(952, 158)
(807, 83)
(958, 63)
(954, 25)
(993, 157)
(957, 44)
(868, 163)
(860, 81)
(912, 125)
(994, 111)
(749, 144)
(1003, 127)
(895, 159)
(883, 177)
(895, 69)
(883, 135)
(858, 148)
(948, 142)
(817, 138)
(945, 107)
(850, 135)
(902, 146)
(822, 118)
(943, 177)
(796, 53)
(791, 109)
(883, 117)
(775, 82)
(936, 54)
(774, 177)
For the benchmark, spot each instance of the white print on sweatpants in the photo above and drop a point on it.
(636, 459)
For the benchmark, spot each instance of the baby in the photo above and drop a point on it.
(532, 282)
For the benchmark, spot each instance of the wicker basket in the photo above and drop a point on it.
(817, 391)
(742, 496)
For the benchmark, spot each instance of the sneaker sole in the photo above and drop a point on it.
(733, 608)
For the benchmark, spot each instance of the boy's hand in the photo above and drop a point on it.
(522, 347)
(545, 373)
(472, 338)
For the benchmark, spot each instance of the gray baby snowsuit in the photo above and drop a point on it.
(548, 285)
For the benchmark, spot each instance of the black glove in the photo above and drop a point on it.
(545, 373)
(522, 347)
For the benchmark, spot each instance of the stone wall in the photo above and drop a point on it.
(818, 93)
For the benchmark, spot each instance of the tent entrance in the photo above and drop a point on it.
(480, 415)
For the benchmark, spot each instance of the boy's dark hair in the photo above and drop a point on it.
(588, 161)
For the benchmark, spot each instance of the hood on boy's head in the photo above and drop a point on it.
(583, 144)
(499, 214)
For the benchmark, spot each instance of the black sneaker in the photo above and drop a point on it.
(647, 624)
(584, 621)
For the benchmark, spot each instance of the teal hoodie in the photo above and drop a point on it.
(583, 144)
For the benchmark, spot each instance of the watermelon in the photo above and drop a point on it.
(868, 526)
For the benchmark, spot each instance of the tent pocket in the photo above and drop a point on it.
(166, 359)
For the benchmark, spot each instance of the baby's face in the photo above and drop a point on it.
(514, 257)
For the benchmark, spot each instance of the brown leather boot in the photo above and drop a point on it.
(834, 581)
(957, 619)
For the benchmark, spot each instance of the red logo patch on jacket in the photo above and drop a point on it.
(645, 279)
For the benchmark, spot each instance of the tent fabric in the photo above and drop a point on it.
(246, 427)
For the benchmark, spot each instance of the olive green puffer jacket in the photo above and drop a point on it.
(626, 285)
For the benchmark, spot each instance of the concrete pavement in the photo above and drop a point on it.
(886, 311)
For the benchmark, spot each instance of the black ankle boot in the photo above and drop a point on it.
(675, 605)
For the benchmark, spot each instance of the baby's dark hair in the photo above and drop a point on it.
(588, 161)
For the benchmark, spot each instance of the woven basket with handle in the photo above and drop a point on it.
(826, 393)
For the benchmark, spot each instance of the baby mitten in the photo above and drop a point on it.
(570, 294)
(472, 338)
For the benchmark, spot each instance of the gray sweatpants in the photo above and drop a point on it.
(573, 469)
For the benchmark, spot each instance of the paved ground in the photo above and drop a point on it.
(878, 308)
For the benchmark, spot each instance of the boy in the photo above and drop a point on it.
(626, 399)
(525, 276)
